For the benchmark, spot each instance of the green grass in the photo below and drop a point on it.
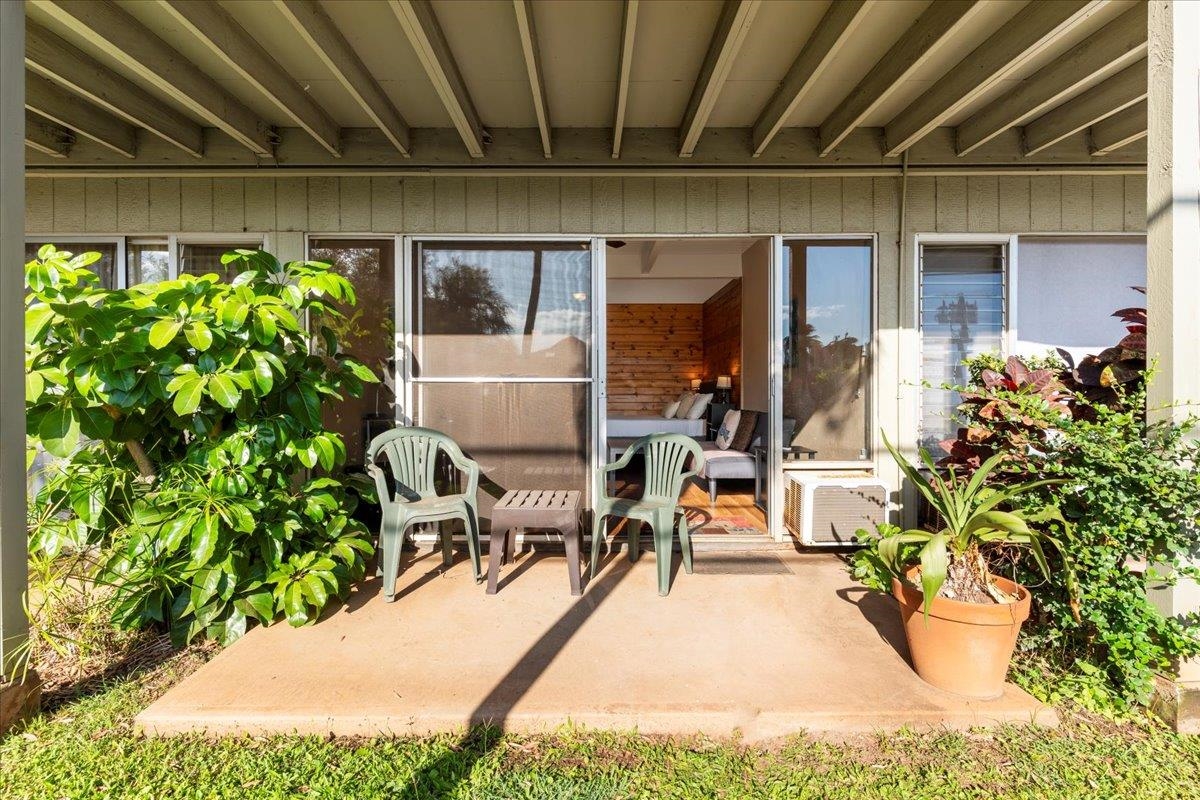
(86, 748)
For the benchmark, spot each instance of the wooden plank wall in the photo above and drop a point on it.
(722, 333)
(654, 351)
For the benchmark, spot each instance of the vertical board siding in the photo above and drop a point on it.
(355, 210)
(68, 205)
(764, 205)
(481, 205)
(39, 205)
(701, 205)
(1108, 203)
(1014, 203)
(324, 200)
(196, 204)
(639, 205)
(512, 198)
(291, 204)
(885, 205)
(608, 205)
(133, 205)
(544, 206)
(795, 205)
(165, 204)
(1045, 203)
(229, 204)
(1135, 202)
(733, 205)
(450, 205)
(921, 206)
(983, 204)
(576, 199)
(387, 204)
(260, 204)
(670, 205)
(1077, 202)
(951, 198)
(418, 205)
(858, 205)
(100, 205)
(827, 205)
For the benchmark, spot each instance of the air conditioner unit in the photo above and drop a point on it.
(826, 510)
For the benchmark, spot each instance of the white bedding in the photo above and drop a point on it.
(634, 427)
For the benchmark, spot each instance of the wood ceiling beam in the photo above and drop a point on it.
(1102, 100)
(117, 34)
(47, 137)
(1034, 28)
(229, 41)
(315, 27)
(423, 31)
(49, 55)
(624, 67)
(652, 254)
(1115, 45)
(732, 27)
(533, 64)
(1120, 130)
(56, 104)
(831, 34)
(940, 22)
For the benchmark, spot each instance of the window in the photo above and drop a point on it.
(146, 261)
(1067, 288)
(827, 365)
(204, 257)
(105, 267)
(962, 314)
(367, 333)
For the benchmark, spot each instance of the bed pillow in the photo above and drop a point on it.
(698, 407)
(728, 428)
(745, 431)
(685, 404)
(670, 409)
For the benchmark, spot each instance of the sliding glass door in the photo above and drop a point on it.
(498, 355)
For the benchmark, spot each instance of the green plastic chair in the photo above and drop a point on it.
(412, 454)
(666, 459)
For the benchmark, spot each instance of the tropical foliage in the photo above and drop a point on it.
(187, 415)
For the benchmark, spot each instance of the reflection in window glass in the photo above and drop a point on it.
(520, 310)
(367, 333)
(827, 348)
(104, 267)
(147, 261)
(962, 315)
(205, 259)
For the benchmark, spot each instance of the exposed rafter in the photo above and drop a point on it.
(1034, 28)
(938, 24)
(1102, 100)
(1121, 129)
(225, 38)
(1116, 44)
(316, 28)
(533, 64)
(56, 104)
(121, 37)
(652, 254)
(46, 137)
(423, 31)
(50, 55)
(732, 27)
(831, 34)
(624, 66)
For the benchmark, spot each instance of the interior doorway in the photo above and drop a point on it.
(687, 346)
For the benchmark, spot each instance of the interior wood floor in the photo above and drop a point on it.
(734, 508)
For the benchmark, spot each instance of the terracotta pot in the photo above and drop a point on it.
(964, 647)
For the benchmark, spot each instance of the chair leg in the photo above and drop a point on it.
(633, 535)
(598, 532)
(662, 555)
(712, 491)
(447, 536)
(685, 543)
(472, 531)
(391, 540)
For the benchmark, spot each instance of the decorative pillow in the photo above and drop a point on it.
(728, 428)
(671, 409)
(699, 406)
(745, 431)
(685, 405)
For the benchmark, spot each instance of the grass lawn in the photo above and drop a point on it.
(86, 748)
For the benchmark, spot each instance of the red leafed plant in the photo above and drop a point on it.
(996, 414)
(1105, 377)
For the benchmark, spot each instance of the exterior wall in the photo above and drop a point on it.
(286, 208)
(654, 349)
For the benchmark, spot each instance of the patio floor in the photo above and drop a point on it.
(767, 644)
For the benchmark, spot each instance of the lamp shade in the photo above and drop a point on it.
(695, 383)
(724, 382)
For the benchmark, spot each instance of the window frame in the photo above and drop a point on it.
(173, 240)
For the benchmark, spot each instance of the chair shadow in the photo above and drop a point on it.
(883, 613)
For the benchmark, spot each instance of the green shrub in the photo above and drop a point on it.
(185, 413)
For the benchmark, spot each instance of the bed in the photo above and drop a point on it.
(635, 426)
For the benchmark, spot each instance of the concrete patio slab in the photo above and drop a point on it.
(736, 648)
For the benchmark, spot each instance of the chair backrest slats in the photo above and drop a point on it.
(666, 456)
(412, 456)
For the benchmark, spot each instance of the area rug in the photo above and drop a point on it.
(731, 526)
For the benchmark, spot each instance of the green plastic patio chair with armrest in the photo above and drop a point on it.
(666, 456)
(412, 454)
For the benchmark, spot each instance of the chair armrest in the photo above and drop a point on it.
(625, 458)
(381, 487)
(467, 466)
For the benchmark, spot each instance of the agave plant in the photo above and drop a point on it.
(970, 515)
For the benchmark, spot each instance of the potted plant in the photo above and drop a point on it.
(961, 621)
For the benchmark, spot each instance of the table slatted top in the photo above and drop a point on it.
(539, 499)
